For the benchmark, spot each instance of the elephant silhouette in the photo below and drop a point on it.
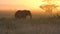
(23, 14)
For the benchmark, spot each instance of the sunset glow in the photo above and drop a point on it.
(25, 4)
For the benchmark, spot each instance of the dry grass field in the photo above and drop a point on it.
(9, 25)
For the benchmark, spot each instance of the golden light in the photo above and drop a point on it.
(28, 4)
(33, 4)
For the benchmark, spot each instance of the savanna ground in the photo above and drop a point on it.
(9, 25)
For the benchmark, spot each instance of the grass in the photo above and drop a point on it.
(33, 21)
(27, 26)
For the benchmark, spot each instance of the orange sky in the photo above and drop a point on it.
(23, 4)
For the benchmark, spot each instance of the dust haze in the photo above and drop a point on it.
(37, 25)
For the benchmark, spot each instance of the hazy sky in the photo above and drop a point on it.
(21, 4)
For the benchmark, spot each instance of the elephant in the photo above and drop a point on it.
(22, 14)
